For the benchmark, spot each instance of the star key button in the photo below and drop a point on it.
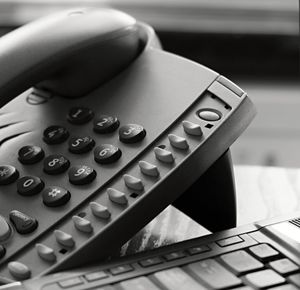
(81, 174)
(54, 196)
(131, 133)
(8, 174)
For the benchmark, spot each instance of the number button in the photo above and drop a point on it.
(131, 133)
(30, 154)
(55, 135)
(54, 196)
(8, 174)
(106, 124)
(55, 164)
(79, 145)
(29, 185)
(80, 115)
(81, 174)
(107, 153)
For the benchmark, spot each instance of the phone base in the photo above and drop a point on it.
(211, 200)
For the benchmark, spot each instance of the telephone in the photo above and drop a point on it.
(100, 130)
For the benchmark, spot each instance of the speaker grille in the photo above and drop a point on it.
(295, 222)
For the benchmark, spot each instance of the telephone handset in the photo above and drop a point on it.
(107, 130)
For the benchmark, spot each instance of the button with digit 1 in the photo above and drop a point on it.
(79, 145)
(29, 185)
(55, 164)
(80, 115)
(131, 133)
(30, 154)
(81, 174)
(107, 153)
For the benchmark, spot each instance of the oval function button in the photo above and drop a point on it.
(30, 154)
(209, 114)
(64, 239)
(163, 155)
(29, 185)
(192, 128)
(56, 164)
(148, 168)
(46, 253)
(19, 270)
(81, 174)
(131, 133)
(117, 196)
(178, 142)
(99, 210)
(80, 115)
(106, 124)
(80, 145)
(133, 182)
(8, 174)
(4, 230)
(55, 135)
(54, 196)
(23, 223)
(107, 153)
(82, 224)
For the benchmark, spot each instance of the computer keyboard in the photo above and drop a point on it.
(243, 258)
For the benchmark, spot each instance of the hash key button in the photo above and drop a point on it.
(23, 223)
(54, 196)
(8, 174)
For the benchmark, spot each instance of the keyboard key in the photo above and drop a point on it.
(30, 154)
(70, 282)
(19, 270)
(81, 174)
(23, 223)
(151, 262)
(284, 266)
(8, 174)
(5, 229)
(140, 283)
(131, 133)
(213, 273)
(174, 255)
(241, 262)
(56, 164)
(230, 241)
(29, 185)
(121, 269)
(295, 279)
(90, 277)
(64, 239)
(198, 250)
(46, 253)
(264, 278)
(106, 124)
(80, 115)
(107, 153)
(79, 145)
(176, 279)
(264, 252)
(54, 196)
(55, 135)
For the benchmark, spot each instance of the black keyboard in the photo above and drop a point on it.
(243, 258)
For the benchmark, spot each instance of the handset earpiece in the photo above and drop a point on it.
(69, 53)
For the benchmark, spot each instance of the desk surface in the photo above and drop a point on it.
(262, 192)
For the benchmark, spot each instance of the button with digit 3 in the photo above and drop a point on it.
(80, 115)
(55, 164)
(31, 154)
(131, 133)
(106, 124)
(8, 174)
(107, 153)
(55, 135)
(54, 196)
(79, 145)
(29, 185)
(81, 174)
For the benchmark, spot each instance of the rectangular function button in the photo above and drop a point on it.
(70, 282)
(121, 269)
(95, 276)
(230, 241)
(198, 250)
(151, 262)
(264, 252)
(174, 255)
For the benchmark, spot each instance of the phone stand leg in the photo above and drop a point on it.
(211, 200)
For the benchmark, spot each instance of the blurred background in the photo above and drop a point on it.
(255, 43)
